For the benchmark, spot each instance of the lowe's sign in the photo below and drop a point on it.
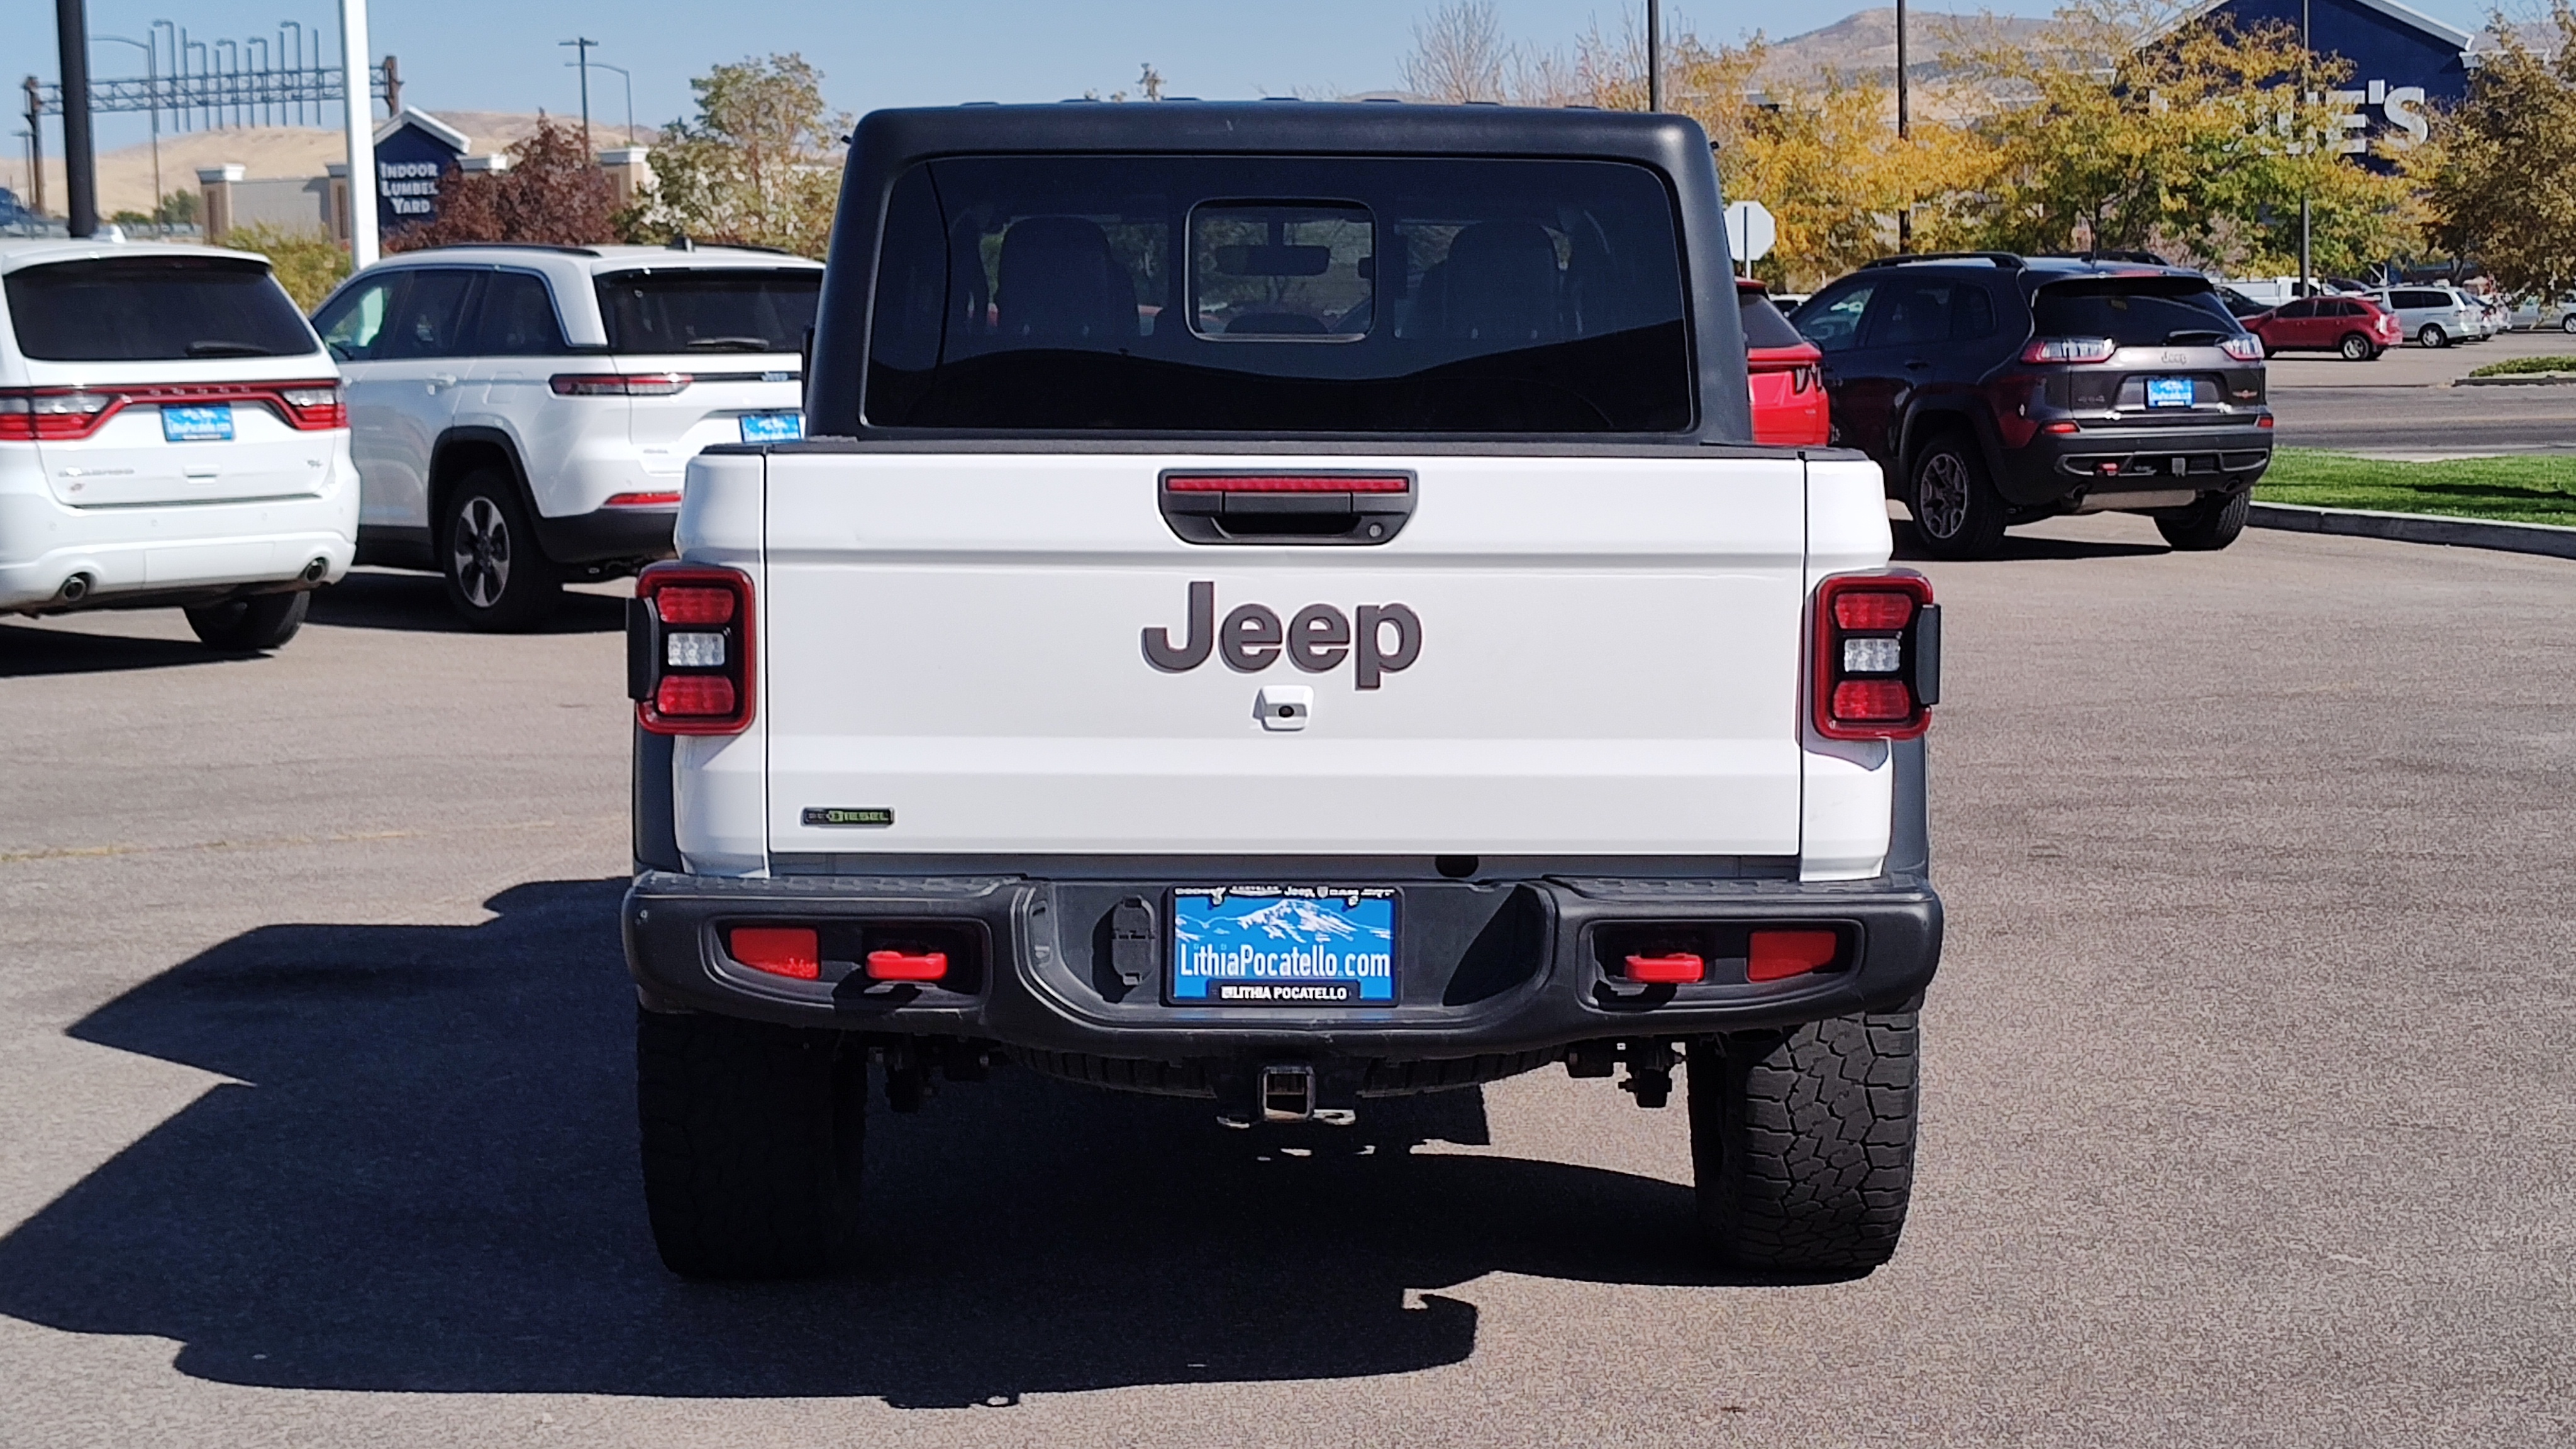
(2404, 63)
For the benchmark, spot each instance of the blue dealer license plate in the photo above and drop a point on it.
(1283, 946)
(772, 427)
(210, 424)
(2169, 392)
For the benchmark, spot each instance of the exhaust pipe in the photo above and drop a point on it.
(314, 571)
(74, 589)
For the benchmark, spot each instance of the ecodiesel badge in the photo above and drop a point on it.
(861, 815)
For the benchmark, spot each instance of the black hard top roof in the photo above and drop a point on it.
(1294, 127)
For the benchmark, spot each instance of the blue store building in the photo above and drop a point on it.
(2404, 62)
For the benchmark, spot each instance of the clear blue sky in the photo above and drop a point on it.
(500, 55)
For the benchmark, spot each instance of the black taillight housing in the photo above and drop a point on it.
(1878, 656)
(689, 650)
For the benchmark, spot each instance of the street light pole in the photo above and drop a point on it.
(360, 118)
(2307, 46)
(152, 88)
(629, 77)
(80, 161)
(1904, 130)
(1654, 55)
(581, 49)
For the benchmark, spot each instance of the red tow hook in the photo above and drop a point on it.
(1678, 969)
(907, 966)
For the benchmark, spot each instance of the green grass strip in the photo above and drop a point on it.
(2517, 366)
(2527, 488)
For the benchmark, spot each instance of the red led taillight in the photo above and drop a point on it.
(1878, 656)
(643, 500)
(1779, 955)
(67, 414)
(791, 951)
(1286, 483)
(619, 384)
(689, 650)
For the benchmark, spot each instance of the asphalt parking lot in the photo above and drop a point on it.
(2404, 404)
(2250, 1116)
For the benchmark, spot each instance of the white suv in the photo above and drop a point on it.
(171, 435)
(523, 414)
(2436, 316)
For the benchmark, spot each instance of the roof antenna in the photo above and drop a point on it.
(680, 242)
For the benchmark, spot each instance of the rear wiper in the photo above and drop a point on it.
(2196, 334)
(226, 349)
(731, 344)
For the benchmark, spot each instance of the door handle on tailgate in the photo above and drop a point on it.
(1290, 506)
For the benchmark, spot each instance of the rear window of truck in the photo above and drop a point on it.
(153, 309)
(1280, 295)
(2132, 311)
(707, 309)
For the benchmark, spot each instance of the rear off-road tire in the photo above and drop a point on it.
(753, 1140)
(2209, 525)
(1803, 1143)
(1957, 512)
(244, 626)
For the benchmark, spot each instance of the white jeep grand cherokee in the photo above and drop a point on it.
(523, 414)
(170, 436)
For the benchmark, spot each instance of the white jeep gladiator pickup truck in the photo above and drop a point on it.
(1276, 606)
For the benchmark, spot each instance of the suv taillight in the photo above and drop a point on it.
(2244, 347)
(1878, 656)
(2069, 349)
(28, 414)
(619, 384)
(688, 650)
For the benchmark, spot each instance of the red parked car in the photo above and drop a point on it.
(2357, 327)
(1786, 373)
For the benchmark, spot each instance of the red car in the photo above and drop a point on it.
(1786, 373)
(2357, 327)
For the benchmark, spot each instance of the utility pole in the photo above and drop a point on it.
(1904, 131)
(360, 118)
(1654, 55)
(2307, 47)
(581, 48)
(35, 147)
(80, 162)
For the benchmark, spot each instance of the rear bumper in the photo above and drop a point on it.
(2107, 459)
(186, 553)
(1486, 967)
(606, 535)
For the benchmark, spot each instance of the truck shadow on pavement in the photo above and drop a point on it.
(417, 604)
(28, 651)
(422, 1177)
(2022, 546)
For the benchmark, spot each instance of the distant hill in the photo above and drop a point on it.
(125, 174)
(1862, 46)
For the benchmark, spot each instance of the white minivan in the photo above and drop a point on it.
(171, 435)
(522, 414)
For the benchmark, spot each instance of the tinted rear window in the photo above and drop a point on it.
(1764, 326)
(706, 309)
(2131, 311)
(1280, 295)
(154, 309)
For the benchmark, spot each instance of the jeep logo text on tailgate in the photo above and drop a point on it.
(1385, 639)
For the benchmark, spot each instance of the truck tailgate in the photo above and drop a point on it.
(1608, 662)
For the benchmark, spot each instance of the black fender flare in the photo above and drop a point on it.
(444, 471)
(1922, 423)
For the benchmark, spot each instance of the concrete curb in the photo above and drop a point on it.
(2540, 538)
(2518, 379)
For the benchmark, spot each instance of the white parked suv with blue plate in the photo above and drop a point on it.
(523, 414)
(171, 435)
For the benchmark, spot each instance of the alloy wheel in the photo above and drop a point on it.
(1941, 495)
(482, 552)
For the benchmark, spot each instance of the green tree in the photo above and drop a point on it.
(552, 192)
(2118, 128)
(758, 164)
(307, 263)
(2501, 177)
